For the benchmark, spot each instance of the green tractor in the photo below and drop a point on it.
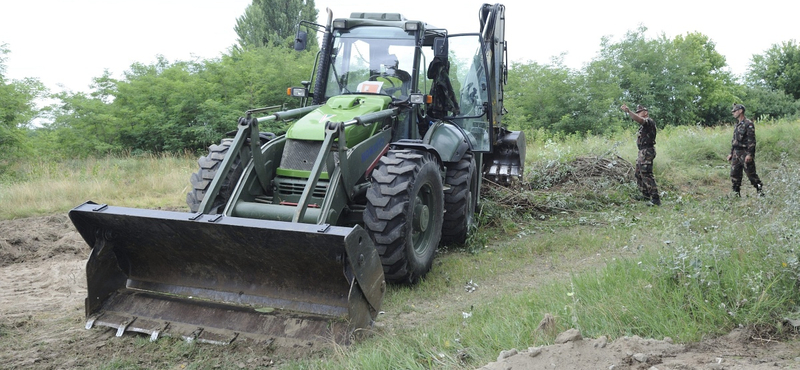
(293, 238)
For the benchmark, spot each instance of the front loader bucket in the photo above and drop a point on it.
(211, 278)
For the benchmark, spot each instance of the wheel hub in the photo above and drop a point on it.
(422, 215)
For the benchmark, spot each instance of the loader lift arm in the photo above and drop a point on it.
(247, 128)
(335, 131)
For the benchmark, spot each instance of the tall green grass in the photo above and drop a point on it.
(667, 274)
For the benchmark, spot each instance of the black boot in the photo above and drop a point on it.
(760, 190)
(655, 201)
(736, 192)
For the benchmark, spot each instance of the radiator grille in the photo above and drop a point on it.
(294, 187)
(300, 154)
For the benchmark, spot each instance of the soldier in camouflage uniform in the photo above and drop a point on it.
(646, 142)
(743, 152)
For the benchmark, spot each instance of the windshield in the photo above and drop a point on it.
(371, 60)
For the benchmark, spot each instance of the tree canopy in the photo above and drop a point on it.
(778, 69)
(683, 81)
(176, 106)
(274, 22)
(17, 108)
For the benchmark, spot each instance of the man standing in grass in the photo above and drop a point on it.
(646, 142)
(743, 152)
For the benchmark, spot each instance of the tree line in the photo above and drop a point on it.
(175, 106)
(682, 81)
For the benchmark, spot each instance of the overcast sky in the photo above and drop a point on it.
(66, 43)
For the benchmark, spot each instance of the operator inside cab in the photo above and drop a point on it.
(384, 67)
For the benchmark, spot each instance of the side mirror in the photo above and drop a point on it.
(440, 47)
(300, 40)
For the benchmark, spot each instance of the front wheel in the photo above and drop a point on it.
(201, 180)
(404, 213)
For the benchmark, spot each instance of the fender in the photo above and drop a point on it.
(417, 144)
(448, 139)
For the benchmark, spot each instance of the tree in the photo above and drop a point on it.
(777, 69)
(274, 22)
(158, 105)
(537, 95)
(84, 124)
(763, 102)
(709, 89)
(681, 80)
(17, 107)
(173, 107)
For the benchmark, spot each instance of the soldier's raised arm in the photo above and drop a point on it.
(633, 115)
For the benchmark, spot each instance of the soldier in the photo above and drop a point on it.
(645, 141)
(743, 152)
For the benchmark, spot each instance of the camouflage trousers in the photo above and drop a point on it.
(644, 172)
(737, 165)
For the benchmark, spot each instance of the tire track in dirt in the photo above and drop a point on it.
(31, 287)
(42, 289)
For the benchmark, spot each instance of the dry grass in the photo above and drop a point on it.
(46, 188)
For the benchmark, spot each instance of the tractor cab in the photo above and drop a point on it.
(434, 78)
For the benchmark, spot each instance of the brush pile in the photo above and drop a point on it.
(586, 172)
(558, 187)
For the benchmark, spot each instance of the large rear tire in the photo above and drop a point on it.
(404, 211)
(201, 180)
(460, 200)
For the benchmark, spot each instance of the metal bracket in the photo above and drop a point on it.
(333, 130)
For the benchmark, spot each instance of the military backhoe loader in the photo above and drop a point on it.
(293, 238)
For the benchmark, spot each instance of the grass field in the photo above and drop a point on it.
(698, 266)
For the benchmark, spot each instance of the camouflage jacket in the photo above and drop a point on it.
(744, 137)
(646, 137)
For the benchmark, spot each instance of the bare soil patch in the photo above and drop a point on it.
(739, 350)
